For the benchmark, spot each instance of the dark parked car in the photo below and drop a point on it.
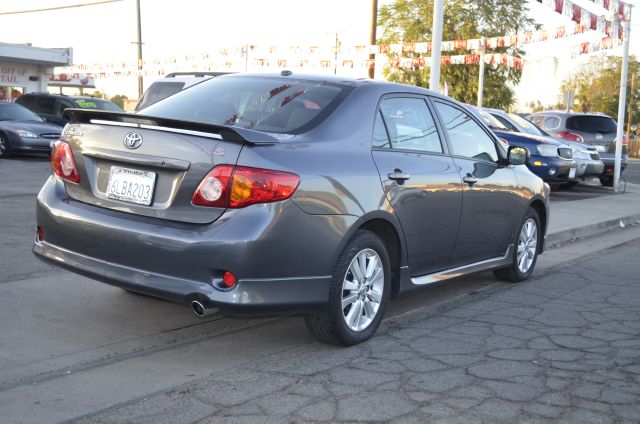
(318, 195)
(550, 160)
(596, 129)
(588, 163)
(23, 131)
(51, 107)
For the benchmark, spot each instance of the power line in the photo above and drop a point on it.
(71, 6)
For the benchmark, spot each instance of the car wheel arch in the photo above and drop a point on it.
(388, 229)
(540, 208)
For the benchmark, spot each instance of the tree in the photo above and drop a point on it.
(410, 21)
(119, 100)
(596, 84)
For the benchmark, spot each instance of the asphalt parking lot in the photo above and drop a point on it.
(560, 347)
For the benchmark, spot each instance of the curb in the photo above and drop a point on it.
(573, 234)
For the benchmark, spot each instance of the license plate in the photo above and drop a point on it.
(131, 185)
(572, 173)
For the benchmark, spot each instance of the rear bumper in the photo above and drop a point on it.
(265, 246)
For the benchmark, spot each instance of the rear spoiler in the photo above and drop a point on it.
(220, 132)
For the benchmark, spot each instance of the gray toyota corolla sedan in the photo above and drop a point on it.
(287, 193)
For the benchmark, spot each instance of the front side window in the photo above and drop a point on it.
(410, 125)
(467, 137)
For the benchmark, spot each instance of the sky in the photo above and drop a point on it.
(104, 33)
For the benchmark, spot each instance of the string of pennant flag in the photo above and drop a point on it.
(496, 59)
(323, 56)
(618, 10)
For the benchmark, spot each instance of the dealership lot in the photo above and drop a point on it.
(72, 347)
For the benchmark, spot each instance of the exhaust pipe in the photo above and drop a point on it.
(200, 310)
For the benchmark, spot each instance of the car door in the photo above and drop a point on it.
(490, 201)
(420, 180)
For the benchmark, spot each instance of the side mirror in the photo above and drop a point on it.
(518, 155)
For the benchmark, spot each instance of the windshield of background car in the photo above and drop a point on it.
(491, 121)
(274, 105)
(159, 90)
(525, 125)
(15, 112)
(592, 124)
(96, 104)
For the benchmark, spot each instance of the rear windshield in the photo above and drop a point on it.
(96, 104)
(275, 105)
(158, 91)
(592, 124)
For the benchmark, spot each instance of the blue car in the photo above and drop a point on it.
(550, 160)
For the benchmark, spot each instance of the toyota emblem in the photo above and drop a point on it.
(132, 140)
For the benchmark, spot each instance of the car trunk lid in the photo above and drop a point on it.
(150, 166)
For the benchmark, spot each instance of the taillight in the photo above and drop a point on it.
(62, 162)
(239, 186)
(570, 136)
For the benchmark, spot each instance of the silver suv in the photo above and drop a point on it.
(596, 129)
(172, 83)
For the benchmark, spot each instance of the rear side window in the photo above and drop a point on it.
(275, 105)
(592, 124)
(410, 125)
(546, 122)
(467, 137)
(45, 105)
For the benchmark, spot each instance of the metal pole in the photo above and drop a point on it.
(335, 57)
(622, 102)
(246, 58)
(436, 44)
(372, 37)
(481, 76)
(139, 43)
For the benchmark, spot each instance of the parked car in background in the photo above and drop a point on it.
(588, 163)
(171, 84)
(213, 200)
(550, 160)
(23, 131)
(595, 129)
(51, 107)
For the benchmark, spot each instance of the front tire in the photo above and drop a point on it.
(358, 293)
(526, 254)
(5, 149)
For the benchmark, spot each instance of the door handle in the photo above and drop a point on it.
(399, 177)
(469, 179)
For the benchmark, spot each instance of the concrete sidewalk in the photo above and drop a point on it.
(591, 217)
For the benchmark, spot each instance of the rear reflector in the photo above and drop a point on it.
(39, 233)
(237, 187)
(229, 279)
(63, 163)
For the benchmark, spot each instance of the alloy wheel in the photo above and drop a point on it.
(527, 245)
(362, 290)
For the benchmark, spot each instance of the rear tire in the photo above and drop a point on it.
(358, 293)
(526, 255)
(5, 149)
(606, 181)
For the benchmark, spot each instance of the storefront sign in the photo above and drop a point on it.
(13, 76)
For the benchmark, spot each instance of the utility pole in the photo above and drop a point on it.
(436, 45)
(622, 103)
(373, 37)
(630, 107)
(483, 49)
(139, 43)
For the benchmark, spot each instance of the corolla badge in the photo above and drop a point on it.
(132, 140)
